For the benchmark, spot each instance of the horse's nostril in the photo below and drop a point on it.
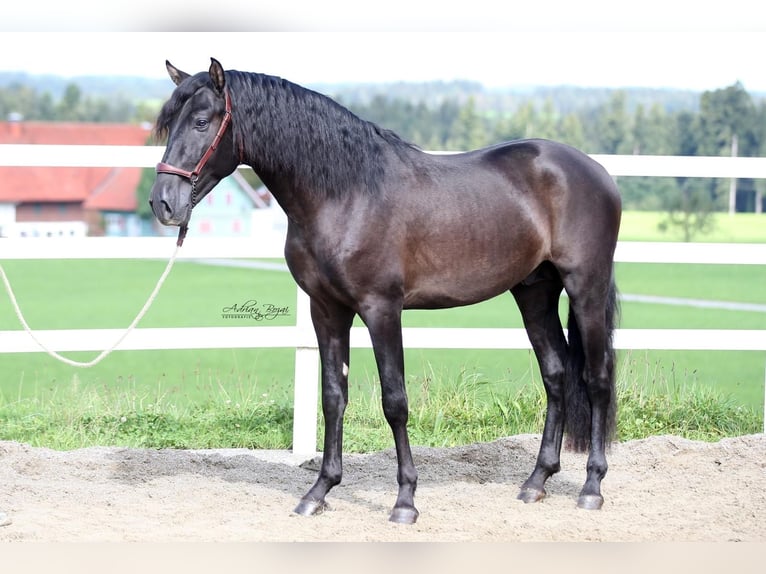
(162, 209)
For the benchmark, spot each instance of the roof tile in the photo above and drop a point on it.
(101, 188)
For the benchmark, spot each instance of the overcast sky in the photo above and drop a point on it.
(653, 43)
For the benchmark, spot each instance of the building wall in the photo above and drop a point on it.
(52, 229)
(224, 212)
(49, 212)
(7, 213)
(120, 224)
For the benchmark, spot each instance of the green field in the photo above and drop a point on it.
(107, 294)
(243, 397)
(740, 228)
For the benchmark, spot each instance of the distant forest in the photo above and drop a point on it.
(464, 115)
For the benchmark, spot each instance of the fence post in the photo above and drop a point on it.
(306, 380)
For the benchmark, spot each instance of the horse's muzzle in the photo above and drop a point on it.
(169, 209)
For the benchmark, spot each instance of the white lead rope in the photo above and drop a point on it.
(119, 340)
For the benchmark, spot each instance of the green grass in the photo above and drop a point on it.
(742, 283)
(243, 397)
(74, 415)
(461, 410)
(194, 295)
(65, 294)
(739, 228)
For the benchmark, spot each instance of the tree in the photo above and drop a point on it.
(17, 99)
(69, 107)
(650, 133)
(521, 124)
(571, 131)
(690, 211)
(613, 125)
(760, 184)
(640, 132)
(45, 108)
(726, 120)
(659, 132)
(690, 203)
(444, 118)
(143, 210)
(73, 105)
(546, 121)
(469, 132)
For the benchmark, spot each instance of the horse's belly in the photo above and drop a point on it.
(441, 291)
(468, 270)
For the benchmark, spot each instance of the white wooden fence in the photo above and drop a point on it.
(301, 337)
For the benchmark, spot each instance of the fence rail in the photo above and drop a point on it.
(301, 336)
(31, 155)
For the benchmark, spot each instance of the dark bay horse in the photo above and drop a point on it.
(376, 226)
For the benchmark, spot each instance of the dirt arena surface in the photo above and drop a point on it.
(660, 489)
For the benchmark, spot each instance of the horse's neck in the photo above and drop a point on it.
(298, 204)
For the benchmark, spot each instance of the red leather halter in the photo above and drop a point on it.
(192, 176)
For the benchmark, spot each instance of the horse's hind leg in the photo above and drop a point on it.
(332, 324)
(592, 300)
(538, 298)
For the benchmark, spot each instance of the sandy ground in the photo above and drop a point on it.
(658, 490)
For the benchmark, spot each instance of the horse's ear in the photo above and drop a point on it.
(216, 75)
(175, 74)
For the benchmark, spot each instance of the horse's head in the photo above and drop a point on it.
(200, 148)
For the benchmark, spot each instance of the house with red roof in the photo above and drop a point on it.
(64, 201)
(77, 201)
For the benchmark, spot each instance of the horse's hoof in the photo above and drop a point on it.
(309, 507)
(528, 495)
(404, 515)
(590, 501)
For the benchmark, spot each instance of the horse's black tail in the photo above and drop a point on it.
(578, 410)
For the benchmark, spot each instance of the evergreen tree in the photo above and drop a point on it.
(546, 122)
(571, 131)
(69, 107)
(613, 126)
(727, 117)
(469, 131)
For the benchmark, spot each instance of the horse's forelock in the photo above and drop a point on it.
(174, 104)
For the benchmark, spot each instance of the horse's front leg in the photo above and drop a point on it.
(383, 320)
(332, 324)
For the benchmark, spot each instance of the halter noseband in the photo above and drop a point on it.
(192, 176)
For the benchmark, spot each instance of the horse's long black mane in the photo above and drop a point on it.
(289, 131)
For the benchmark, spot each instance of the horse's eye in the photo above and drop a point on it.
(201, 124)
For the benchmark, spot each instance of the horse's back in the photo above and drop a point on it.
(545, 166)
